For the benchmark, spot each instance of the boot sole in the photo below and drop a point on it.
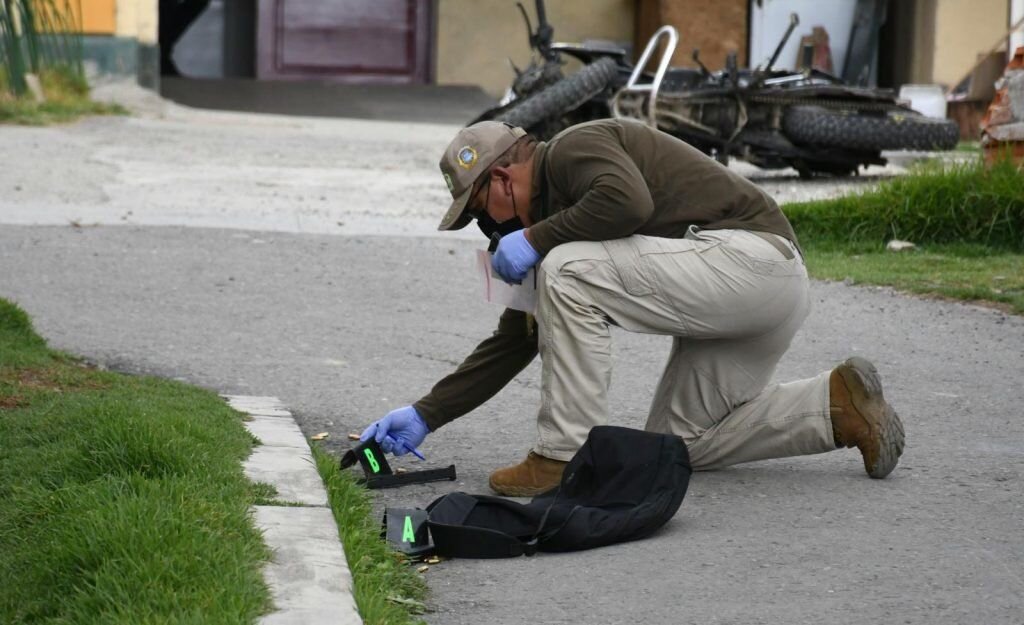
(865, 386)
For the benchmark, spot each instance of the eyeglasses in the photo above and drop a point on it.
(477, 208)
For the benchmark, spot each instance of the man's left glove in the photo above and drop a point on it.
(514, 257)
(399, 432)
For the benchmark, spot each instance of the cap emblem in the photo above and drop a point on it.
(451, 185)
(467, 157)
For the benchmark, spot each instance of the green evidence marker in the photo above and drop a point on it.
(408, 535)
(373, 460)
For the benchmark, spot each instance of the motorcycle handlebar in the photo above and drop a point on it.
(542, 39)
(794, 21)
(542, 18)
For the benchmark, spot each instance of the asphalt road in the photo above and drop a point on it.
(346, 325)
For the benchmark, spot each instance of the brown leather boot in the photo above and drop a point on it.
(530, 477)
(862, 418)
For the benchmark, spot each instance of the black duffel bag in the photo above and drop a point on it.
(622, 485)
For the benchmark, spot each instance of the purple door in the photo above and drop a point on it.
(355, 41)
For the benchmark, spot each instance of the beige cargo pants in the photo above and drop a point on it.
(732, 303)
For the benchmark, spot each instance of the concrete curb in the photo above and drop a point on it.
(309, 577)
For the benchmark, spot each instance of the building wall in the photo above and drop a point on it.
(138, 19)
(963, 30)
(1016, 14)
(475, 37)
(121, 39)
(99, 17)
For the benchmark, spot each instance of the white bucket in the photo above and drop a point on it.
(929, 100)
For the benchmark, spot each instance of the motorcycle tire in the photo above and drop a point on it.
(556, 100)
(893, 130)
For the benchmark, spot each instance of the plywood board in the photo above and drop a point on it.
(717, 27)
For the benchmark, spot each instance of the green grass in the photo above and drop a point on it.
(24, 112)
(962, 203)
(387, 590)
(122, 499)
(44, 38)
(37, 36)
(959, 272)
(967, 221)
(67, 99)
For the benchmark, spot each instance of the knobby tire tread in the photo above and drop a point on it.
(813, 125)
(565, 95)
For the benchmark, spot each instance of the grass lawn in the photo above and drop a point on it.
(122, 499)
(967, 221)
(67, 99)
(28, 113)
(961, 272)
(387, 590)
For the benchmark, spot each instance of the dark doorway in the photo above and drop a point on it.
(208, 38)
(175, 17)
(354, 41)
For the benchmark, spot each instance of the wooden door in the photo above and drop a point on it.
(356, 41)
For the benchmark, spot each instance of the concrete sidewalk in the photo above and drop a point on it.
(403, 103)
(173, 165)
(309, 577)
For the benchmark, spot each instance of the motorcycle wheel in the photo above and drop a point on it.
(893, 130)
(554, 101)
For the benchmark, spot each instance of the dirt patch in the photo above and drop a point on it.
(54, 379)
(33, 380)
(10, 402)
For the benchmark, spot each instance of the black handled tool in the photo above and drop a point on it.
(492, 245)
(378, 473)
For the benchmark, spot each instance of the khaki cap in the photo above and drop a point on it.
(469, 154)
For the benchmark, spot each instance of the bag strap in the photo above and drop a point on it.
(537, 537)
(544, 518)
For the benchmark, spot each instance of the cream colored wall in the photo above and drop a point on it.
(138, 19)
(963, 30)
(475, 37)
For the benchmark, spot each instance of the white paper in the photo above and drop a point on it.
(496, 291)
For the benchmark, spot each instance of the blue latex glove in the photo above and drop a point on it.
(399, 432)
(514, 257)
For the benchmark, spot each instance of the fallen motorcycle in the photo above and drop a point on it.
(809, 120)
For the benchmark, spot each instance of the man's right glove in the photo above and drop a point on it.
(399, 432)
(514, 257)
